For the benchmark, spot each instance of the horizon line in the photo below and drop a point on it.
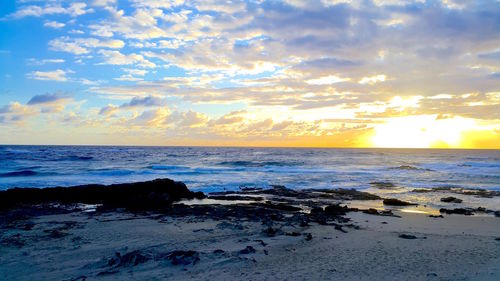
(245, 146)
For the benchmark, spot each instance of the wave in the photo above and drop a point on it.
(410, 168)
(167, 167)
(22, 173)
(480, 165)
(255, 164)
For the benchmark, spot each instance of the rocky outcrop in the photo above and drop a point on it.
(149, 195)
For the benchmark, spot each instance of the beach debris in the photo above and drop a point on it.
(218, 251)
(397, 202)
(407, 236)
(451, 199)
(436, 216)
(497, 239)
(293, 233)
(248, 250)
(497, 214)
(309, 236)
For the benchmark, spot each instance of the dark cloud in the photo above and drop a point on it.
(46, 98)
(146, 101)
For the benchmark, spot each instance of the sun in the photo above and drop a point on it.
(422, 131)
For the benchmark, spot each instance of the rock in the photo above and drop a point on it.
(436, 216)
(280, 206)
(309, 237)
(397, 202)
(407, 236)
(451, 199)
(371, 211)
(235, 198)
(248, 250)
(336, 210)
(458, 211)
(183, 257)
(497, 214)
(316, 210)
(139, 196)
(292, 233)
(348, 194)
(218, 251)
(497, 239)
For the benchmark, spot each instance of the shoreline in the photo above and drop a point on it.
(168, 231)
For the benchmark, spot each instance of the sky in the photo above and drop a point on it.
(326, 73)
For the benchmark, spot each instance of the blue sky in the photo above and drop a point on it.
(286, 73)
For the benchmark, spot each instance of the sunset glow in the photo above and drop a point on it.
(268, 73)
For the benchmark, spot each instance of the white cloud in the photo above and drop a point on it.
(74, 10)
(54, 24)
(117, 58)
(372, 79)
(56, 75)
(103, 3)
(327, 80)
(33, 61)
(81, 46)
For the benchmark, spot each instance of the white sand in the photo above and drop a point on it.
(455, 248)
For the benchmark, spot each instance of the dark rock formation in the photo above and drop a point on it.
(150, 195)
(458, 211)
(397, 202)
(451, 199)
(407, 236)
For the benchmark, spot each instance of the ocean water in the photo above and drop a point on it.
(223, 168)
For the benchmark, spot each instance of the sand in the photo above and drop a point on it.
(84, 246)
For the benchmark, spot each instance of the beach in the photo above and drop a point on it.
(251, 234)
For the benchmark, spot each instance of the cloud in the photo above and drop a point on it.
(80, 46)
(33, 61)
(74, 10)
(54, 24)
(108, 110)
(372, 79)
(117, 58)
(46, 98)
(192, 119)
(145, 101)
(327, 80)
(55, 75)
(103, 3)
(15, 113)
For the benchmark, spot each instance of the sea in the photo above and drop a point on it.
(388, 172)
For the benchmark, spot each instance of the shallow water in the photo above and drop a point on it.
(216, 168)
